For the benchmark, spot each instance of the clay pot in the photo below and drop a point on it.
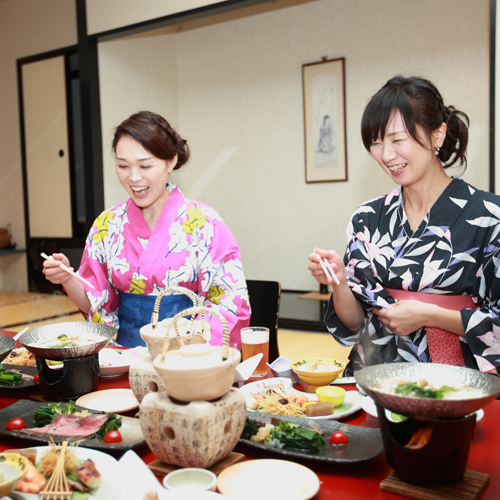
(197, 434)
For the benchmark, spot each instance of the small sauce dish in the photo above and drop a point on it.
(332, 394)
(191, 477)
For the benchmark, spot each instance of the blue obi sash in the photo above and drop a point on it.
(135, 312)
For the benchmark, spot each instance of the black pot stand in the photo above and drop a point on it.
(78, 376)
(436, 467)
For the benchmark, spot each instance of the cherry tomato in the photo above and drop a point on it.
(113, 437)
(36, 379)
(338, 438)
(15, 424)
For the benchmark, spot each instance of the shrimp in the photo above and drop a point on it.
(32, 482)
(297, 398)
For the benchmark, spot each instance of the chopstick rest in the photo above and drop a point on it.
(67, 269)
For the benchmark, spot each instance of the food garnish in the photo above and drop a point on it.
(112, 424)
(113, 437)
(9, 377)
(413, 390)
(45, 414)
(285, 434)
(15, 424)
(338, 438)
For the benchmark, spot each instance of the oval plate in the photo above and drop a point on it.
(364, 443)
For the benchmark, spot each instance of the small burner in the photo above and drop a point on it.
(420, 451)
(78, 376)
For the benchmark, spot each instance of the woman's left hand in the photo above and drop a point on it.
(405, 317)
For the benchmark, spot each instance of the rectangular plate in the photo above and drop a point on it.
(364, 443)
(24, 384)
(130, 430)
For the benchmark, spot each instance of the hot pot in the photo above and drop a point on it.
(433, 443)
(6, 345)
(80, 365)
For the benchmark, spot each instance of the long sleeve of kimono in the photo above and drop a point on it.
(223, 285)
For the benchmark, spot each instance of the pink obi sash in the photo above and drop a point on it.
(444, 347)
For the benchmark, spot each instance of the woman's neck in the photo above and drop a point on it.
(419, 199)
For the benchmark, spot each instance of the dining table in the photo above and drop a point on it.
(353, 481)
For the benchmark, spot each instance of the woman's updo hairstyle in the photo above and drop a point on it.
(419, 103)
(155, 135)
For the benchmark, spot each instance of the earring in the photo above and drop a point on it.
(437, 151)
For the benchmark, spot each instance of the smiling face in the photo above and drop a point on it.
(142, 175)
(402, 157)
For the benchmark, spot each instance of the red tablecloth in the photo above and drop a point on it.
(353, 482)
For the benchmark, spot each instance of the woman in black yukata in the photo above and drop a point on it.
(419, 281)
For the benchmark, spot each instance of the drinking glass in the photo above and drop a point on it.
(255, 340)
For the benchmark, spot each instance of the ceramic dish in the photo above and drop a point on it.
(130, 430)
(13, 467)
(369, 406)
(24, 384)
(240, 479)
(351, 404)
(105, 464)
(364, 443)
(111, 401)
(112, 363)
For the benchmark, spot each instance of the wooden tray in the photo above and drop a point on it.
(470, 487)
(161, 469)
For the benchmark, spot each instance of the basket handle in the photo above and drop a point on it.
(156, 310)
(197, 310)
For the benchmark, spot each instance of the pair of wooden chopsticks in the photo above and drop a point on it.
(327, 269)
(67, 269)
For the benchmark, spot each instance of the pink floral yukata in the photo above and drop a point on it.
(190, 247)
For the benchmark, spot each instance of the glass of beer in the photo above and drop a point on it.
(255, 340)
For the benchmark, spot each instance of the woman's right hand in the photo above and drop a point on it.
(335, 261)
(53, 272)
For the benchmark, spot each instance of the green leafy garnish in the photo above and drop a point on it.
(112, 424)
(45, 414)
(9, 377)
(413, 390)
(296, 437)
(251, 428)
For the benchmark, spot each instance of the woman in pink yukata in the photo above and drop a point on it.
(155, 240)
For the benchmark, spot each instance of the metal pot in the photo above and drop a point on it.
(6, 345)
(428, 409)
(32, 337)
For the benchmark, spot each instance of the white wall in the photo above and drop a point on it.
(233, 88)
(105, 15)
(27, 27)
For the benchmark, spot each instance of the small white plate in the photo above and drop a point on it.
(369, 406)
(279, 478)
(112, 363)
(352, 401)
(111, 401)
(106, 465)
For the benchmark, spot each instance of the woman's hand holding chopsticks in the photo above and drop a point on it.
(58, 275)
(326, 266)
(347, 306)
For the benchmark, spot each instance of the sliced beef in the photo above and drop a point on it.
(70, 426)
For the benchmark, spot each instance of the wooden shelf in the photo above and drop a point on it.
(11, 251)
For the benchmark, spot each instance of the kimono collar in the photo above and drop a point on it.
(166, 218)
(447, 208)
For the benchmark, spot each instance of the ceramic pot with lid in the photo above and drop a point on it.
(198, 371)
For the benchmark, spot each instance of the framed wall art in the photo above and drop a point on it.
(325, 120)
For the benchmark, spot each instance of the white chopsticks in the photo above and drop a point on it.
(327, 269)
(67, 269)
